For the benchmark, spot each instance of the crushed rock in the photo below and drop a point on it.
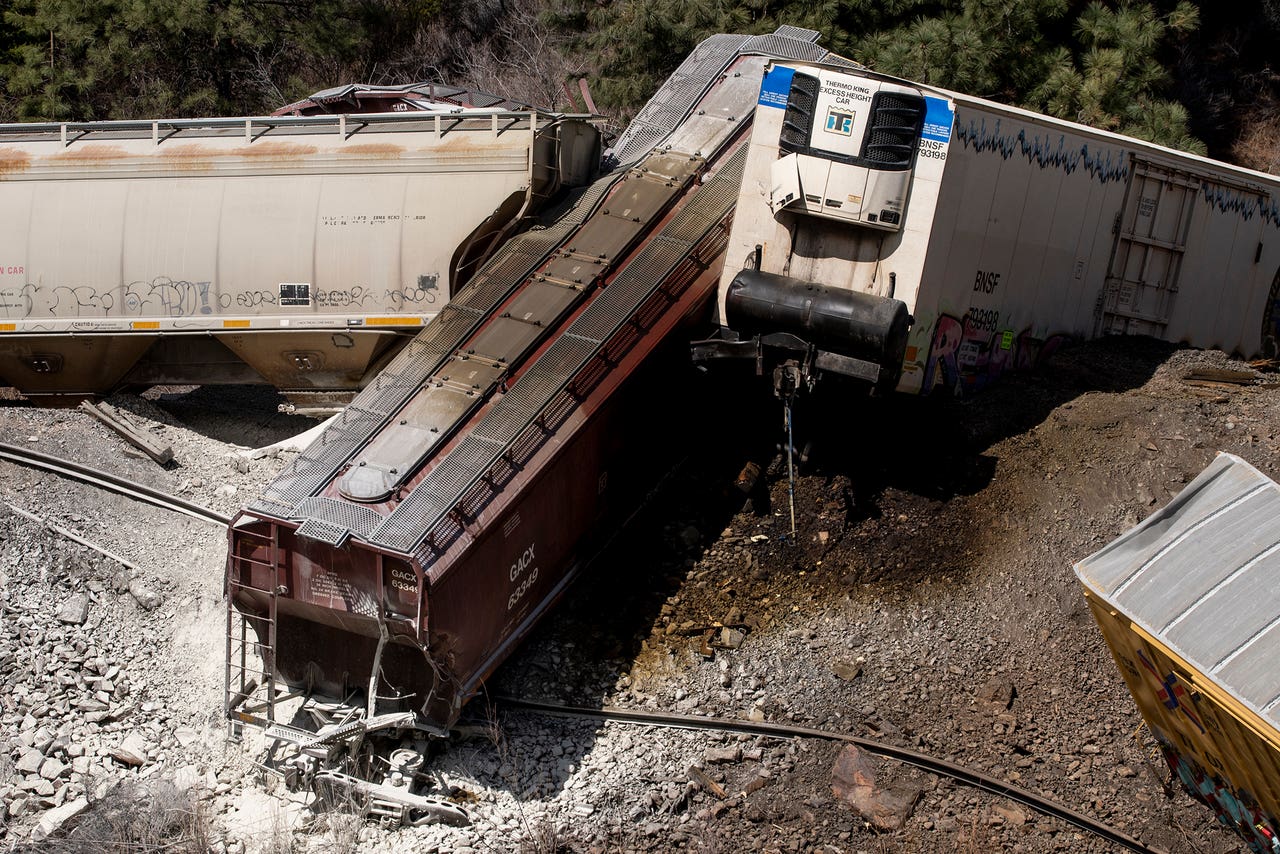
(928, 601)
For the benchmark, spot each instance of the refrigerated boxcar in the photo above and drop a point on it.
(1002, 232)
(1189, 603)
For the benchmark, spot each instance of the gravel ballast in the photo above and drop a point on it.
(927, 601)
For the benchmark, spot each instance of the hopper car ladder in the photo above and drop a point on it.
(243, 680)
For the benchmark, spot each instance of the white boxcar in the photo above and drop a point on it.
(304, 246)
(1003, 231)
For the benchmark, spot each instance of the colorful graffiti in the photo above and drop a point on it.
(1171, 692)
(964, 356)
(1110, 165)
(1236, 810)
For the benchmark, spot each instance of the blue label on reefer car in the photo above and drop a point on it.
(776, 87)
(938, 114)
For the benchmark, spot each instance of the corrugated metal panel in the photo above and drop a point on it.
(798, 33)
(780, 44)
(1202, 576)
(323, 532)
(1187, 602)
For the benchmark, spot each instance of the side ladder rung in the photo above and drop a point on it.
(266, 591)
(242, 679)
(248, 561)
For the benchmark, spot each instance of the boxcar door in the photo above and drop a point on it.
(1146, 259)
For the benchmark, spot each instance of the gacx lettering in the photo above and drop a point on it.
(525, 572)
(522, 563)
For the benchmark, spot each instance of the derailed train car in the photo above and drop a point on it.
(1189, 604)
(300, 251)
(405, 553)
(1001, 232)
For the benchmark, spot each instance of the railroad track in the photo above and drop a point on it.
(924, 761)
(110, 482)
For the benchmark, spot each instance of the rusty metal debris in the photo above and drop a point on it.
(332, 761)
(390, 804)
(747, 478)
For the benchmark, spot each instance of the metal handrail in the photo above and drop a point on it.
(255, 126)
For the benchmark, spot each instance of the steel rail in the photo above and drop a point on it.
(960, 773)
(110, 482)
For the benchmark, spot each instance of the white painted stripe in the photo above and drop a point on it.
(1177, 541)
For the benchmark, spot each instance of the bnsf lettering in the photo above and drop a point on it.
(986, 281)
(933, 148)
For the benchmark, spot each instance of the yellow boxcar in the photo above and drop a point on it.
(1189, 603)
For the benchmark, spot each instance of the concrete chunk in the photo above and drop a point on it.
(147, 598)
(29, 762)
(51, 769)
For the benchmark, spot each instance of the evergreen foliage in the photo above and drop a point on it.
(1101, 64)
(109, 59)
(1105, 63)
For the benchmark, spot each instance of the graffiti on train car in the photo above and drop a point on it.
(1244, 204)
(179, 298)
(1048, 151)
(172, 297)
(1237, 810)
(353, 296)
(161, 296)
(17, 301)
(249, 299)
(80, 302)
(965, 354)
(426, 293)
